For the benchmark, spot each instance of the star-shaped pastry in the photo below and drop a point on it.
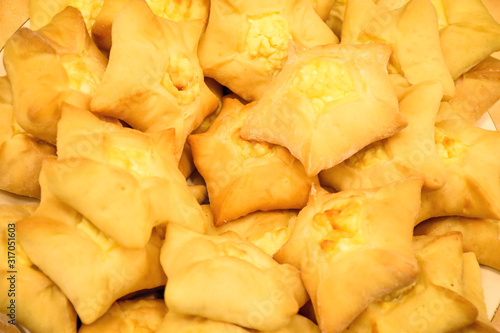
(479, 235)
(96, 269)
(468, 36)
(470, 156)
(153, 80)
(353, 247)
(246, 176)
(416, 56)
(21, 155)
(122, 175)
(56, 64)
(231, 279)
(328, 104)
(410, 152)
(434, 302)
(40, 305)
(246, 43)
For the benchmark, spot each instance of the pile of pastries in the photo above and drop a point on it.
(251, 166)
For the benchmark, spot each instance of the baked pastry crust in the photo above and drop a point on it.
(21, 155)
(267, 230)
(325, 88)
(138, 315)
(248, 176)
(469, 154)
(96, 158)
(176, 323)
(246, 43)
(477, 90)
(56, 64)
(417, 56)
(168, 9)
(410, 152)
(434, 303)
(40, 305)
(470, 35)
(97, 270)
(13, 14)
(480, 236)
(244, 281)
(163, 85)
(341, 238)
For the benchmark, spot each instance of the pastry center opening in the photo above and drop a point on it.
(268, 39)
(181, 79)
(323, 80)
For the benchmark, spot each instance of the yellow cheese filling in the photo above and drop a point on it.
(449, 148)
(89, 9)
(368, 156)
(136, 161)
(267, 40)
(81, 78)
(181, 79)
(97, 236)
(323, 80)
(339, 228)
(179, 10)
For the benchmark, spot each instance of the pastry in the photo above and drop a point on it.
(55, 64)
(163, 84)
(314, 106)
(470, 35)
(245, 168)
(170, 9)
(416, 56)
(479, 236)
(434, 303)
(247, 43)
(97, 158)
(233, 280)
(267, 230)
(339, 239)
(40, 305)
(410, 152)
(469, 154)
(21, 155)
(138, 315)
(97, 270)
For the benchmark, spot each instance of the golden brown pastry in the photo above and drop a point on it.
(97, 270)
(416, 56)
(341, 239)
(410, 152)
(477, 90)
(328, 104)
(479, 235)
(138, 315)
(97, 158)
(233, 280)
(469, 36)
(335, 18)
(469, 154)
(245, 168)
(473, 292)
(55, 64)
(170, 9)
(176, 323)
(246, 43)
(163, 85)
(267, 230)
(40, 305)
(21, 155)
(434, 303)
